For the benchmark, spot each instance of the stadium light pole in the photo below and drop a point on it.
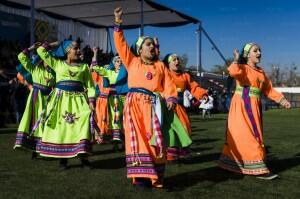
(32, 21)
(141, 32)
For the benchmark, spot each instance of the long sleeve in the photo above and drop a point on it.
(237, 71)
(89, 84)
(122, 47)
(195, 88)
(26, 62)
(170, 92)
(104, 72)
(270, 92)
(47, 57)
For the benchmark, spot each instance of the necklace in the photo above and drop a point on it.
(148, 74)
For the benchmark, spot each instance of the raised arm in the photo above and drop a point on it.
(24, 57)
(121, 45)
(236, 70)
(46, 56)
(96, 68)
(194, 87)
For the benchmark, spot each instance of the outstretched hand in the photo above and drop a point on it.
(286, 104)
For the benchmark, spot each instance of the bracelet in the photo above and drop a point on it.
(282, 100)
(118, 21)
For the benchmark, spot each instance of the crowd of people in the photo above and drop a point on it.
(137, 102)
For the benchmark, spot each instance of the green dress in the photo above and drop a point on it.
(115, 103)
(66, 122)
(43, 81)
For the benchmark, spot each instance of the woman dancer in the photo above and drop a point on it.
(244, 150)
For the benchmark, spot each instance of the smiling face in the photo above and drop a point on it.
(74, 53)
(147, 50)
(254, 55)
(174, 63)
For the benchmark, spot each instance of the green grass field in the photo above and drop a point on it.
(21, 177)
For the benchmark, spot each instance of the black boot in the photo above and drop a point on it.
(85, 163)
(34, 155)
(63, 164)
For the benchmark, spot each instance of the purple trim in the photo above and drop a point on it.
(247, 102)
(29, 142)
(26, 51)
(172, 99)
(156, 46)
(92, 100)
(94, 63)
(117, 28)
(65, 150)
(46, 45)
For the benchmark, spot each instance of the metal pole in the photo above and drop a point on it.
(141, 33)
(198, 49)
(214, 45)
(32, 21)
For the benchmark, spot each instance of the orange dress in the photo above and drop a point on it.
(101, 109)
(143, 159)
(244, 151)
(183, 81)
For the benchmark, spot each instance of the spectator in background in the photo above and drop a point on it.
(207, 104)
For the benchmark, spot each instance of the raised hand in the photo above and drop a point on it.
(236, 55)
(35, 46)
(118, 12)
(53, 44)
(95, 50)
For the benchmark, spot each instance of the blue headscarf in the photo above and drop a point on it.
(63, 49)
(26, 75)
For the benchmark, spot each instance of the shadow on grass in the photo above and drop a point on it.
(280, 165)
(207, 119)
(113, 163)
(212, 174)
(108, 151)
(204, 141)
(199, 149)
(195, 159)
(8, 130)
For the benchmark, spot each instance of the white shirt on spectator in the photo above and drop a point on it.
(187, 97)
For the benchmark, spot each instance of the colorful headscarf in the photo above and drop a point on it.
(63, 48)
(246, 49)
(139, 43)
(168, 58)
(114, 60)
